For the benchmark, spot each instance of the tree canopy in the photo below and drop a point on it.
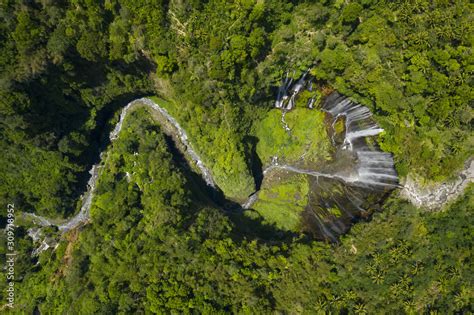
(157, 242)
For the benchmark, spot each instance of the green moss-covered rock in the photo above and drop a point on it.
(282, 199)
(307, 142)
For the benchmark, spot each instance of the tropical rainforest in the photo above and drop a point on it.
(158, 239)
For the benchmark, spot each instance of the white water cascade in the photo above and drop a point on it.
(358, 169)
(375, 169)
(358, 118)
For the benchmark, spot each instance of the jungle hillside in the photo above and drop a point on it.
(216, 157)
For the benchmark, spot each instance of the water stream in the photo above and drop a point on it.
(358, 178)
(367, 168)
(83, 215)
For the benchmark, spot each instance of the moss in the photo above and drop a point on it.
(339, 126)
(308, 140)
(335, 211)
(170, 106)
(302, 98)
(282, 199)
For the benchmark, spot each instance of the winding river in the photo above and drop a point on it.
(369, 170)
(84, 213)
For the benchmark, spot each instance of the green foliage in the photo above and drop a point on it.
(281, 200)
(307, 142)
(409, 63)
(165, 65)
(154, 245)
(68, 65)
(143, 255)
(220, 144)
(148, 247)
(351, 12)
(403, 260)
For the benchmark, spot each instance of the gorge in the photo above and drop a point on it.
(348, 186)
(358, 169)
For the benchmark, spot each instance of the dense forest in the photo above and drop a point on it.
(66, 66)
(159, 246)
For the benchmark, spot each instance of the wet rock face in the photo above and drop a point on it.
(371, 168)
(355, 181)
(336, 192)
(335, 205)
(435, 196)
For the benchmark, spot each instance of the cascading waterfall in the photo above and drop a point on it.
(374, 168)
(358, 119)
(284, 123)
(372, 171)
(360, 170)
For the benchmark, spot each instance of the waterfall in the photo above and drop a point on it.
(358, 118)
(299, 84)
(283, 122)
(366, 171)
(361, 169)
(283, 91)
(286, 88)
(375, 169)
(325, 232)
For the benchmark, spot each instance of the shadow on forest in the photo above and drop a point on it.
(244, 227)
(254, 162)
(99, 139)
(56, 111)
(247, 224)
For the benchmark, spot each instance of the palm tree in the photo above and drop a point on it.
(359, 308)
(378, 278)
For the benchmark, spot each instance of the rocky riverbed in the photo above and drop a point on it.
(435, 196)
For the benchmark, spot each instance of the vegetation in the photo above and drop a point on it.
(158, 241)
(68, 65)
(168, 252)
(307, 141)
(220, 145)
(282, 199)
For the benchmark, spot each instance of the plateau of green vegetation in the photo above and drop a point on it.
(216, 142)
(307, 141)
(282, 199)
